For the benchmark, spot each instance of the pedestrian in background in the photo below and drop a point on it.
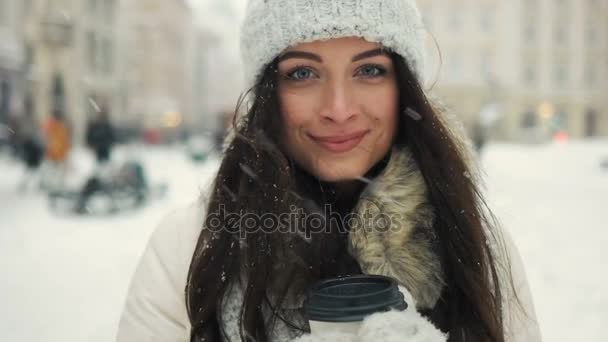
(100, 139)
(31, 147)
(57, 143)
(100, 135)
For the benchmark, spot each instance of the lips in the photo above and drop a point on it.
(340, 143)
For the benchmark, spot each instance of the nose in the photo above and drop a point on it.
(338, 103)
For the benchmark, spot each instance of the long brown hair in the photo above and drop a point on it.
(256, 177)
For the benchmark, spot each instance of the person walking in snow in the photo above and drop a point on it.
(57, 144)
(32, 148)
(338, 125)
(100, 136)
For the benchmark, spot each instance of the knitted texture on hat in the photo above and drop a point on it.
(271, 26)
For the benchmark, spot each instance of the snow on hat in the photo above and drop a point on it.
(271, 26)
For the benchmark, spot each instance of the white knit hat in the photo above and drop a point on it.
(271, 26)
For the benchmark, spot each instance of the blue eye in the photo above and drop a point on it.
(300, 74)
(371, 71)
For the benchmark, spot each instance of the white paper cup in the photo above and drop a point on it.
(341, 304)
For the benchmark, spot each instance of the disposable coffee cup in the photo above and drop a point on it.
(341, 304)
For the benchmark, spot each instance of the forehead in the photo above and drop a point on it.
(348, 46)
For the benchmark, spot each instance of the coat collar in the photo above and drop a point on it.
(395, 236)
(408, 250)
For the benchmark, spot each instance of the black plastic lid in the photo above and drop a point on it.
(350, 299)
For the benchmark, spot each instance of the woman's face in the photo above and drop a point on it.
(339, 105)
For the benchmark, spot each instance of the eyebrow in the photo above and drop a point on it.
(370, 53)
(300, 54)
(317, 58)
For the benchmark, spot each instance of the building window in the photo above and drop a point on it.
(108, 11)
(486, 66)
(92, 7)
(529, 120)
(427, 20)
(91, 51)
(591, 35)
(28, 56)
(529, 7)
(455, 18)
(107, 55)
(426, 11)
(91, 106)
(560, 35)
(25, 10)
(5, 99)
(529, 74)
(3, 12)
(58, 95)
(530, 32)
(590, 75)
(487, 19)
(591, 123)
(560, 74)
(560, 121)
(455, 65)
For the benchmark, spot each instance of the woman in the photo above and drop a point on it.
(338, 127)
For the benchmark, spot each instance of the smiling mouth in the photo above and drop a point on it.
(341, 143)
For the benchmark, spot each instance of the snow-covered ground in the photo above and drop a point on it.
(554, 200)
(64, 278)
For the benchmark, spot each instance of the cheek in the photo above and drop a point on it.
(382, 105)
(391, 119)
(295, 110)
(297, 114)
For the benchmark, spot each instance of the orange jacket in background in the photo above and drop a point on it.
(57, 139)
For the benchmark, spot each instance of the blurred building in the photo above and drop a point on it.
(524, 69)
(218, 73)
(161, 58)
(132, 57)
(11, 59)
(72, 57)
(205, 42)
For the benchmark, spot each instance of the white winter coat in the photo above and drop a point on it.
(155, 308)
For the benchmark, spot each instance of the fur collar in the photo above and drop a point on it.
(395, 238)
(407, 249)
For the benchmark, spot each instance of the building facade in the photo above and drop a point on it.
(218, 72)
(160, 64)
(72, 59)
(527, 69)
(12, 74)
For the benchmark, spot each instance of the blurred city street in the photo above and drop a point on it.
(65, 277)
(113, 112)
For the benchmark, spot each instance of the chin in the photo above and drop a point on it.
(339, 172)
